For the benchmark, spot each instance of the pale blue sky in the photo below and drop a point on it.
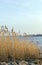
(23, 15)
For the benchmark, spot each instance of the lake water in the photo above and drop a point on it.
(36, 39)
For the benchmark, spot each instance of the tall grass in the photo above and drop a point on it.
(17, 49)
(24, 50)
(3, 50)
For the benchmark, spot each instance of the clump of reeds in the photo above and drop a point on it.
(6, 49)
(3, 49)
(25, 50)
(17, 49)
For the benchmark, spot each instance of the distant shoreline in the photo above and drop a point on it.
(34, 35)
(23, 35)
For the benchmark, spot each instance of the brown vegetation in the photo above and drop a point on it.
(24, 49)
(17, 49)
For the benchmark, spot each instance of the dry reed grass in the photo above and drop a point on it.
(17, 50)
(3, 50)
(24, 49)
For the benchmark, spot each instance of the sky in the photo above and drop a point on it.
(23, 15)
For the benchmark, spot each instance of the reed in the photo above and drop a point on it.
(17, 49)
(25, 50)
(3, 50)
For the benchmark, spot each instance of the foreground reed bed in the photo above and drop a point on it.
(16, 49)
(25, 50)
